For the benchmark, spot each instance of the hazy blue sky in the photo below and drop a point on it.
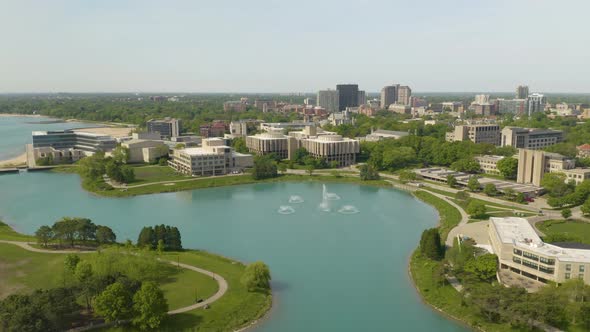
(292, 46)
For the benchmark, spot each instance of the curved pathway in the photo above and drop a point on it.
(221, 282)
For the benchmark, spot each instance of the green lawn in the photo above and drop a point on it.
(449, 215)
(154, 173)
(7, 233)
(490, 205)
(572, 228)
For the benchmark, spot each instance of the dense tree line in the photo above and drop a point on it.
(264, 167)
(162, 237)
(70, 231)
(430, 244)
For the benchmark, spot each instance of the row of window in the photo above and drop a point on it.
(547, 261)
(581, 268)
(532, 265)
(569, 276)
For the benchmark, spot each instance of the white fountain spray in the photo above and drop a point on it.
(324, 205)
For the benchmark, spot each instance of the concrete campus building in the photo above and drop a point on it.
(69, 139)
(533, 164)
(530, 138)
(489, 163)
(168, 127)
(479, 133)
(213, 158)
(319, 144)
(144, 150)
(522, 252)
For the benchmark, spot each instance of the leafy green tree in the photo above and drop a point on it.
(508, 167)
(264, 167)
(120, 155)
(92, 167)
(300, 155)
(566, 213)
(406, 176)
(334, 164)
(114, 303)
(473, 184)
(147, 238)
(462, 195)
(150, 306)
(66, 229)
(467, 165)
(239, 144)
(451, 181)
(430, 244)
(83, 274)
(476, 209)
(105, 235)
(490, 189)
(282, 167)
(519, 198)
(310, 168)
(160, 246)
(71, 262)
(368, 172)
(484, 267)
(256, 277)
(585, 208)
(44, 234)
(555, 184)
(85, 229)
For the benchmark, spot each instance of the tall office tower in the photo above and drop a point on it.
(522, 91)
(362, 97)
(389, 95)
(404, 93)
(167, 127)
(536, 103)
(348, 96)
(329, 100)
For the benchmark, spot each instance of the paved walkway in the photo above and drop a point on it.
(221, 282)
(124, 186)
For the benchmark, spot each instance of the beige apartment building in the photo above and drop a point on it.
(530, 138)
(332, 148)
(521, 251)
(212, 158)
(479, 133)
(265, 143)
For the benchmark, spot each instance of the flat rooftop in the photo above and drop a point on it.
(520, 233)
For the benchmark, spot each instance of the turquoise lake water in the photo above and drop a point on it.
(332, 271)
(15, 132)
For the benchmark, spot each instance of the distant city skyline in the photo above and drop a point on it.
(280, 47)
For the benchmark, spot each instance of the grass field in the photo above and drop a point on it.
(154, 173)
(7, 233)
(573, 228)
(449, 215)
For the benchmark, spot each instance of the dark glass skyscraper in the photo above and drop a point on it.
(348, 95)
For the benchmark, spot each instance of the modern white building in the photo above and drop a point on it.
(329, 100)
(522, 252)
(145, 151)
(530, 138)
(212, 158)
(536, 103)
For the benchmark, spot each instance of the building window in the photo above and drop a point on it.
(582, 268)
(568, 267)
(581, 276)
(567, 275)
(517, 252)
(547, 261)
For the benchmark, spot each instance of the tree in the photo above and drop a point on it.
(160, 246)
(519, 198)
(508, 167)
(150, 306)
(256, 277)
(585, 208)
(174, 239)
(66, 229)
(555, 184)
(300, 155)
(83, 274)
(120, 155)
(566, 213)
(44, 234)
(310, 168)
(476, 209)
(282, 167)
(430, 244)
(114, 303)
(484, 267)
(85, 229)
(105, 235)
(264, 167)
(473, 184)
(239, 144)
(467, 165)
(451, 181)
(147, 238)
(490, 189)
(406, 176)
(334, 164)
(462, 195)
(368, 172)
(71, 262)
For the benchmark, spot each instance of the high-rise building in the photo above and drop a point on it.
(329, 100)
(348, 96)
(389, 95)
(404, 93)
(167, 127)
(482, 99)
(362, 98)
(522, 91)
(512, 106)
(536, 103)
